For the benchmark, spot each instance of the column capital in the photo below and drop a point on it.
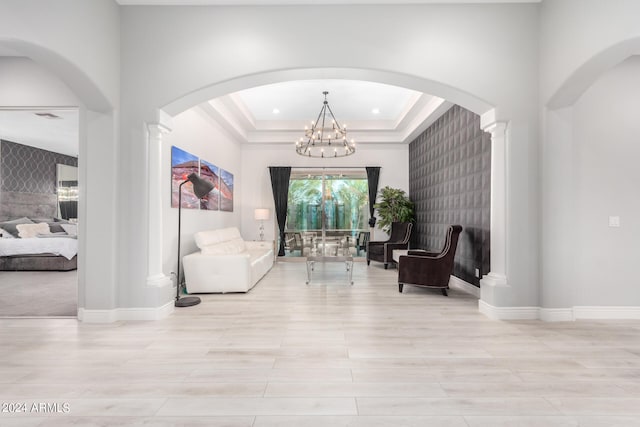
(157, 130)
(496, 128)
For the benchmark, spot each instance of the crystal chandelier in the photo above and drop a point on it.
(324, 138)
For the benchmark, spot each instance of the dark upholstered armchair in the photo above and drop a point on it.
(430, 269)
(383, 251)
(361, 242)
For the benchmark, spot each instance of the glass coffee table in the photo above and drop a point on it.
(313, 258)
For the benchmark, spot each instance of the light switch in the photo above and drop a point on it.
(614, 221)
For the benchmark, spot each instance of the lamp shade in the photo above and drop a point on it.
(261, 214)
(200, 186)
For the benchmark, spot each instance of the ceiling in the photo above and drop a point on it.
(59, 135)
(372, 112)
(349, 100)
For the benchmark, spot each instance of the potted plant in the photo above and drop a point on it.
(394, 206)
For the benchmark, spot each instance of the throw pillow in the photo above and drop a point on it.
(41, 219)
(71, 229)
(26, 231)
(6, 235)
(55, 227)
(10, 226)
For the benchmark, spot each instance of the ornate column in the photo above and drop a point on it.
(498, 275)
(155, 275)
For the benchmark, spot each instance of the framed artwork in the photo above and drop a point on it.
(226, 191)
(211, 173)
(183, 164)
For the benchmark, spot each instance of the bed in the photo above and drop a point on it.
(38, 254)
(53, 251)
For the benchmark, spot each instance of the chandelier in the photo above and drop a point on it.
(325, 138)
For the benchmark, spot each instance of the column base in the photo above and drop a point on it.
(493, 288)
(494, 279)
(159, 281)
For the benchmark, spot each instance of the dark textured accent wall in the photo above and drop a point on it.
(450, 183)
(25, 169)
(28, 180)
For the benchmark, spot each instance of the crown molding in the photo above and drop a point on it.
(232, 115)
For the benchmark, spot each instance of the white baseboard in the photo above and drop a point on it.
(508, 313)
(457, 283)
(110, 316)
(587, 312)
(558, 314)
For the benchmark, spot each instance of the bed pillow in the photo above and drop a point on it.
(26, 231)
(6, 235)
(71, 229)
(10, 226)
(41, 219)
(55, 227)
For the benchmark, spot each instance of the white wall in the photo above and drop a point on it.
(606, 150)
(194, 132)
(572, 33)
(79, 42)
(476, 55)
(582, 259)
(25, 83)
(257, 192)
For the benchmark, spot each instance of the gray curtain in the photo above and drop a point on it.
(280, 186)
(373, 175)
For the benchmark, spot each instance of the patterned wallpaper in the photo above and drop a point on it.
(25, 169)
(450, 183)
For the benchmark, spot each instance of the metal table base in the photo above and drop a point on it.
(348, 261)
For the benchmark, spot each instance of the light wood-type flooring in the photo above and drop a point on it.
(328, 354)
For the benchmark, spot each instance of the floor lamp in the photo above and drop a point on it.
(200, 188)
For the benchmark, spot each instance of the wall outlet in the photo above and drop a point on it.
(614, 221)
(478, 273)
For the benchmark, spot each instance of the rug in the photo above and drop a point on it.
(38, 293)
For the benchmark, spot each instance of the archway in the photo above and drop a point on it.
(465, 99)
(96, 287)
(582, 191)
(585, 75)
(498, 130)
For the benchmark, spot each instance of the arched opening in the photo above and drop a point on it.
(456, 96)
(590, 136)
(184, 103)
(585, 75)
(94, 127)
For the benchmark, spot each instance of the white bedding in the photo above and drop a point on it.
(66, 247)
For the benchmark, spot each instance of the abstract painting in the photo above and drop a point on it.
(226, 191)
(211, 173)
(183, 164)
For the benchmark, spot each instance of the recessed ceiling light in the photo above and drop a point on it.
(276, 111)
(375, 111)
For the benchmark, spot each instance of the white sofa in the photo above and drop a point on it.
(225, 262)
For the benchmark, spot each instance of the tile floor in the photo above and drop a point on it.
(328, 354)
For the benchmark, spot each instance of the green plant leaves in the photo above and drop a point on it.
(394, 206)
